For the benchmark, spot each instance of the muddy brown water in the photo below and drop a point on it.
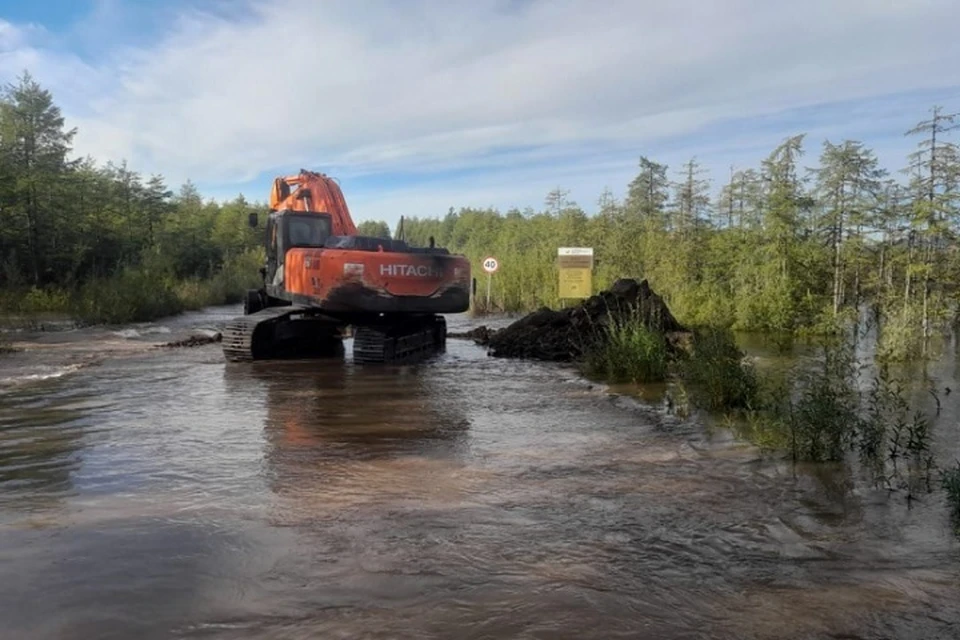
(167, 494)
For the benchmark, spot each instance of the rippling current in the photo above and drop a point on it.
(163, 493)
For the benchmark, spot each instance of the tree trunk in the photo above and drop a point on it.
(881, 282)
(33, 239)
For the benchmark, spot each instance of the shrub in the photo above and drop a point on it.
(901, 336)
(950, 481)
(135, 294)
(45, 301)
(717, 373)
(824, 418)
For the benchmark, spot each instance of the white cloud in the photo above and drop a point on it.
(385, 86)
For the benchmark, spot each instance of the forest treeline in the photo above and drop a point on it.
(787, 246)
(783, 247)
(103, 242)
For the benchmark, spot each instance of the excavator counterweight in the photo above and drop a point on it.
(321, 277)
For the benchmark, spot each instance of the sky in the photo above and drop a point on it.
(421, 105)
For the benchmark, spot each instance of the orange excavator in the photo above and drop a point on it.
(321, 277)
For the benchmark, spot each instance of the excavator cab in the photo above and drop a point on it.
(293, 229)
(308, 230)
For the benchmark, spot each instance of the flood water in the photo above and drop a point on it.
(163, 493)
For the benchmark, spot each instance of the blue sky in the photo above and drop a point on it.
(420, 105)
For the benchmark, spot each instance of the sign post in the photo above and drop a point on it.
(576, 272)
(490, 265)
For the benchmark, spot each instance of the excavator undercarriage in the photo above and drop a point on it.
(289, 331)
(295, 331)
(408, 340)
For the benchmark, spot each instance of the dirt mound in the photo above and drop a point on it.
(564, 335)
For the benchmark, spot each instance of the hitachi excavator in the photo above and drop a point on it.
(321, 277)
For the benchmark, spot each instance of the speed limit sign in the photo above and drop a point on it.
(490, 264)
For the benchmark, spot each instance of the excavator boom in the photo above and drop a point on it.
(313, 192)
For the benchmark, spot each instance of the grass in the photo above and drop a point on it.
(950, 481)
(140, 294)
(712, 367)
(626, 350)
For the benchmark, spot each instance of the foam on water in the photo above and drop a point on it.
(40, 374)
(132, 333)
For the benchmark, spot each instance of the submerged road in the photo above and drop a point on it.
(163, 493)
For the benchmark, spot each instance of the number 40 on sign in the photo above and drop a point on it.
(490, 265)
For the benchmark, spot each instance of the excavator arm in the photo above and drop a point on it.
(313, 192)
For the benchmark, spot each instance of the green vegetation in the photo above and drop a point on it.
(717, 373)
(100, 243)
(817, 413)
(782, 249)
(950, 481)
(823, 416)
(627, 351)
(374, 228)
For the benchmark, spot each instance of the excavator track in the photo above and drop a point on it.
(294, 332)
(281, 332)
(408, 341)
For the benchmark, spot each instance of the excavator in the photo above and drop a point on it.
(322, 278)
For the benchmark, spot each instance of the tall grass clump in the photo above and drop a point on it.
(950, 481)
(626, 350)
(716, 372)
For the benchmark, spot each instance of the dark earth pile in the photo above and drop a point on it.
(566, 334)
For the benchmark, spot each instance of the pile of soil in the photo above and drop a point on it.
(564, 335)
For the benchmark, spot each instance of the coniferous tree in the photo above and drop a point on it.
(33, 149)
(848, 185)
(934, 169)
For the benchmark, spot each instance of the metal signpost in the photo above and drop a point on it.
(490, 265)
(576, 272)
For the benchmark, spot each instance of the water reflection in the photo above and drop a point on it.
(332, 405)
(336, 434)
(40, 448)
